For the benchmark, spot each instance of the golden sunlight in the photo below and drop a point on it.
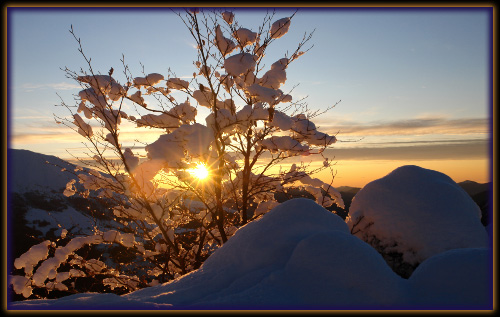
(200, 171)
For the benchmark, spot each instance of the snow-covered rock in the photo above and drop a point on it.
(418, 213)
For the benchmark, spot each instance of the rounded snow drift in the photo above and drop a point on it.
(417, 213)
(337, 270)
(459, 277)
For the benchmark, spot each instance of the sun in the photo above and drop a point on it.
(200, 171)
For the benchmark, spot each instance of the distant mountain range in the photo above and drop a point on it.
(473, 188)
(31, 171)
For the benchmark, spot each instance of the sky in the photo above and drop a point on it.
(414, 84)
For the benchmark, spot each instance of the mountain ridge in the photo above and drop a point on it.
(28, 170)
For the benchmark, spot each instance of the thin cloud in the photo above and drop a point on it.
(48, 132)
(44, 138)
(424, 142)
(32, 117)
(457, 150)
(56, 86)
(417, 126)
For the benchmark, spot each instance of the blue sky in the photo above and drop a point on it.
(407, 76)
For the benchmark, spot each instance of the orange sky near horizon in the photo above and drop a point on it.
(359, 173)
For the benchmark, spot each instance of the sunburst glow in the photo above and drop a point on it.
(200, 171)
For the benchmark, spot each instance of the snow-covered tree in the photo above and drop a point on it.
(198, 182)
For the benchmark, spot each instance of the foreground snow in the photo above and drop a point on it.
(300, 255)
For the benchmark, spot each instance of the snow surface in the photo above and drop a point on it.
(459, 277)
(149, 80)
(228, 17)
(417, 212)
(245, 36)
(69, 219)
(301, 256)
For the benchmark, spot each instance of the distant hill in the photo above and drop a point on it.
(28, 171)
(348, 189)
(480, 193)
(473, 188)
(346, 192)
(37, 207)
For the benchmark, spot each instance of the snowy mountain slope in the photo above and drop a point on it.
(37, 204)
(70, 219)
(28, 171)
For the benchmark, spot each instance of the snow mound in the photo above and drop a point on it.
(434, 282)
(342, 271)
(418, 213)
(330, 270)
(256, 251)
